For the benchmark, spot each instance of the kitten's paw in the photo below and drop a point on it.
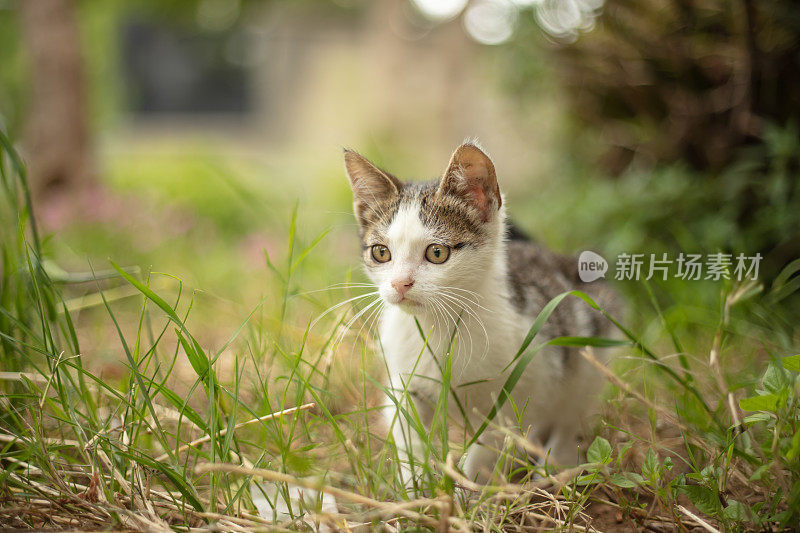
(479, 464)
(563, 448)
(411, 482)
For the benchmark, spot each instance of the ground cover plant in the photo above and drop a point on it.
(183, 429)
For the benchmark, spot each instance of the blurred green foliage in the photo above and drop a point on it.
(692, 107)
(673, 81)
(13, 73)
(752, 203)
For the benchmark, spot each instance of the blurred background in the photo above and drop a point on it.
(180, 136)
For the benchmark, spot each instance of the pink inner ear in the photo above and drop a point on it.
(479, 198)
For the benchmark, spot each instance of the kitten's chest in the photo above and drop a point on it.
(481, 346)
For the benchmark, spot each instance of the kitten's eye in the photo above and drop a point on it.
(380, 253)
(437, 253)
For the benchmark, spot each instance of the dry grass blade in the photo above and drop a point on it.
(17, 376)
(390, 508)
(510, 490)
(714, 363)
(223, 432)
(699, 521)
(4, 437)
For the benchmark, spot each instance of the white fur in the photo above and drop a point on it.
(489, 334)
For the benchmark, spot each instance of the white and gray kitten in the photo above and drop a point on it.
(440, 252)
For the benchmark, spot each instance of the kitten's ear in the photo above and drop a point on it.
(471, 176)
(369, 183)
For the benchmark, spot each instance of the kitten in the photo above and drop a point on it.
(440, 254)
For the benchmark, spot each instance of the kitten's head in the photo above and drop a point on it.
(420, 239)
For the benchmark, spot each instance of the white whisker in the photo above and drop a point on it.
(472, 301)
(337, 306)
(373, 314)
(478, 295)
(466, 304)
(340, 336)
(338, 286)
(453, 319)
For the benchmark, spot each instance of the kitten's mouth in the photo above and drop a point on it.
(395, 298)
(409, 302)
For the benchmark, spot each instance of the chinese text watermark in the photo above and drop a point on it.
(685, 266)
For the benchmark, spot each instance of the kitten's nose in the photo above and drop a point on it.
(402, 285)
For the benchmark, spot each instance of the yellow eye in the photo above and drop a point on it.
(380, 253)
(437, 253)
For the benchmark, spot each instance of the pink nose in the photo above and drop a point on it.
(402, 286)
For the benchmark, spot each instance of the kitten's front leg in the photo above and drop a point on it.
(406, 432)
(497, 453)
(480, 462)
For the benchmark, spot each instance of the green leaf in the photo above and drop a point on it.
(710, 474)
(599, 451)
(627, 480)
(197, 358)
(794, 451)
(766, 402)
(759, 473)
(596, 342)
(147, 291)
(791, 363)
(756, 417)
(650, 465)
(774, 378)
(735, 511)
(622, 451)
(705, 499)
(588, 479)
(308, 249)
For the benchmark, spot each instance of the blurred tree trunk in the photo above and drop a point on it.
(56, 129)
